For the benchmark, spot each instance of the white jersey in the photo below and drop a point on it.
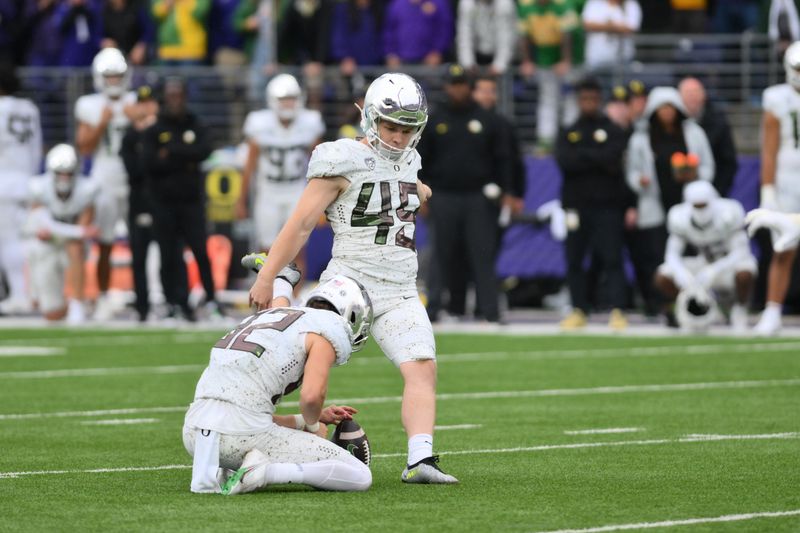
(716, 240)
(43, 191)
(284, 151)
(374, 219)
(107, 165)
(263, 359)
(783, 102)
(20, 145)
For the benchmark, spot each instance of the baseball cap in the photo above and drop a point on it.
(456, 74)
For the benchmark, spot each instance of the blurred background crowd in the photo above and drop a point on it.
(515, 67)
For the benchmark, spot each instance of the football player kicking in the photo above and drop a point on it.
(62, 209)
(370, 193)
(102, 121)
(715, 227)
(238, 442)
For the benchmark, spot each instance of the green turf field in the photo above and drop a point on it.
(545, 433)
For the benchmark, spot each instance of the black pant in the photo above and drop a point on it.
(465, 226)
(176, 224)
(599, 232)
(646, 248)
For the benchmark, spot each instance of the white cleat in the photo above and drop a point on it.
(254, 262)
(15, 306)
(770, 323)
(103, 308)
(739, 318)
(250, 477)
(75, 312)
(427, 471)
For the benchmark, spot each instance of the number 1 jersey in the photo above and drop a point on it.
(374, 219)
(783, 102)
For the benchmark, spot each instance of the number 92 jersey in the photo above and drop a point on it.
(264, 358)
(107, 165)
(374, 219)
(783, 102)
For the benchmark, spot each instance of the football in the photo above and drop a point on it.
(350, 436)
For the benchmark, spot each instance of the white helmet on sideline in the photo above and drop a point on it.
(351, 301)
(702, 199)
(109, 62)
(791, 64)
(284, 86)
(696, 310)
(62, 162)
(399, 99)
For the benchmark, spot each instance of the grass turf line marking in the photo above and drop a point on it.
(458, 426)
(119, 421)
(604, 431)
(580, 445)
(30, 351)
(545, 447)
(685, 522)
(92, 372)
(622, 389)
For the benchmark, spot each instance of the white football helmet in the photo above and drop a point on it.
(62, 162)
(399, 99)
(352, 302)
(791, 64)
(696, 310)
(110, 62)
(284, 86)
(701, 193)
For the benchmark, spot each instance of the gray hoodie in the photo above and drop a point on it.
(641, 161)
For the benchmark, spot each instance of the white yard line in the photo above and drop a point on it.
(580, 445)
(622, 389)
(602, 431)
(119, 421)
(117, 340)
(108, 371)
(546, 447)
(458, 426)
(30, 351)
(675, 523)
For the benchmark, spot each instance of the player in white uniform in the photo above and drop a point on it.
(370, 193)
(102, 121)
(232, 422)
(20, 157)
(715, 227)
(280, 140)
(62, 208)
(780, 177)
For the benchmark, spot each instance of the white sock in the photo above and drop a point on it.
(283, 473)
(420, 446)
(327, 475)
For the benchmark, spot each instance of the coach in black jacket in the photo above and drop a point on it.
(464, 149)
(595, 197)
(173, 149)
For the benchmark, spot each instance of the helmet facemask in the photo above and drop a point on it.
(791, 64)
(62, 163)
(349, 299)
(285, 97)
(395, 98)
(110, 73)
